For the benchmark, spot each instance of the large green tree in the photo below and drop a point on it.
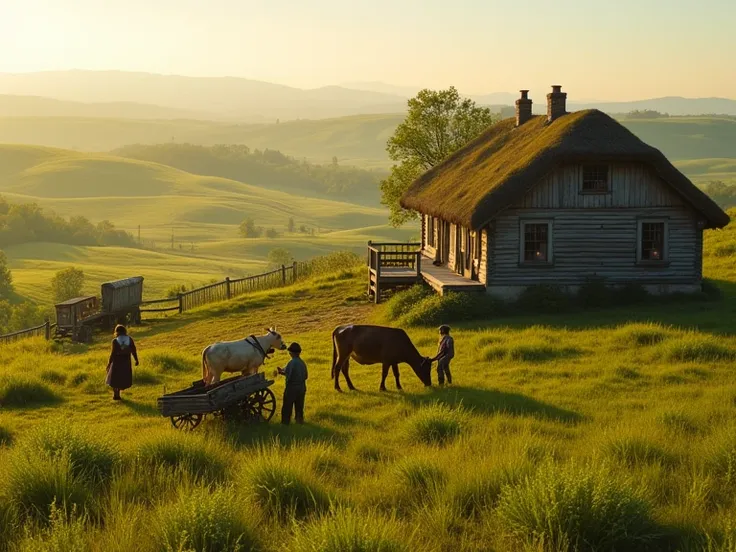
(67, 284)
(437, 124)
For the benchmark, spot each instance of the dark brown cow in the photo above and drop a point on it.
(376, 345)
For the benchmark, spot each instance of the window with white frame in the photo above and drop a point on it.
(595, 179)
(652, 241)
(536, 242)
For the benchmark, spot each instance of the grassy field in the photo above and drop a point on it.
(610, 430)
(33, 265)
(357, 140)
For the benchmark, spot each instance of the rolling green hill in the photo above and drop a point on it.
(158, 198)
(357, 140)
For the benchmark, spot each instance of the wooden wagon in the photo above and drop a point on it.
(238, 399)
(74, 317)
(120, 303)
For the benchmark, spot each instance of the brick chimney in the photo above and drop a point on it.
(523, 108)
(556, 103)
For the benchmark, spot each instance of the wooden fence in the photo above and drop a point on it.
(222, 291)
(38, 331)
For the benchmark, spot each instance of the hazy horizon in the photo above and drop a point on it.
(631, 50)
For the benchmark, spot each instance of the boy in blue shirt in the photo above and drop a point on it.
(296, 386)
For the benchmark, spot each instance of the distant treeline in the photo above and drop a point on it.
(27, 222)
(267, 168)
(720, 192)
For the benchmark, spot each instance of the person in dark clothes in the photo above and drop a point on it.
(445, 353)
(296, 386)
(119, 369)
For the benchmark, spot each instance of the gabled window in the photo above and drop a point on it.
(536, 242)
(595, 179)
(652, 241)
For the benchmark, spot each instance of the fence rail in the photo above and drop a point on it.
(227, 289)
(37, 331)
(220, 291)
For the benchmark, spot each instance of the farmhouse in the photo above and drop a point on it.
(558, 199)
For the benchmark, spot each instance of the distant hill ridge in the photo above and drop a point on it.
(251, 100)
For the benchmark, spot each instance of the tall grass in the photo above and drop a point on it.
(349, 530)
(436, 424)
(207, 520)
(577, 508)
(65, 532)
(89, 456)
(25, 392)
(177, 450)
(281, 489)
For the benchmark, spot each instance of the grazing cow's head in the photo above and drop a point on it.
(278, 341)
(424, 372)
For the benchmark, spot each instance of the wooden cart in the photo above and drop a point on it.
(120, 303)
(74, 318)
(238, 399)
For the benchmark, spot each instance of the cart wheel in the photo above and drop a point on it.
(186, 421)
(263, 402)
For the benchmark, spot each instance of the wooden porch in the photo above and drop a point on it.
(393, 265)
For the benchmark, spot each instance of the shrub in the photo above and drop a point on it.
(33, 483)
(594, 293)
(695, 348)
(452, 307)
(183, 451)
(570, 508)
(478, 489)
(630, 294)
(78, 379)
(544, 298)
(52, 376)
(207, 520)
(436, 424)
(282, 491)
(633, 451)
(89, 458)
(639, 335)
(346, 530)
(326, 264)
(6, 436)
(721, 459)
(21, 392)
(418, 477)
(65, 532)
(402, 303)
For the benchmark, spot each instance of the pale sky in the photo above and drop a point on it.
(612, 50)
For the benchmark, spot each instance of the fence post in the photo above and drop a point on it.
(181, 309)
(283, 274)
(227, 286)
(293, 271)
(47, 328)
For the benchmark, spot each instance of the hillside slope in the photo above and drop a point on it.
(157, 197)
(359, 140)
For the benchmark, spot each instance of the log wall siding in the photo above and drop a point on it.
(452, 255)
(597, 242)
(596, 234)
(629, 185)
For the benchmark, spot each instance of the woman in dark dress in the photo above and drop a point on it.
(119, 369)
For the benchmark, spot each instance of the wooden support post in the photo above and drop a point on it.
(283, 275)
(227, 286)
(47, 329)
(181, 305)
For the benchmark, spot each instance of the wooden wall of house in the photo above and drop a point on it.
(596, 235)
(632, 185)
(484, 266)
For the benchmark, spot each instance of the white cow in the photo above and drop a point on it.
(245, 355)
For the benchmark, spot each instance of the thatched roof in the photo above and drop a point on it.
(498, 168)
